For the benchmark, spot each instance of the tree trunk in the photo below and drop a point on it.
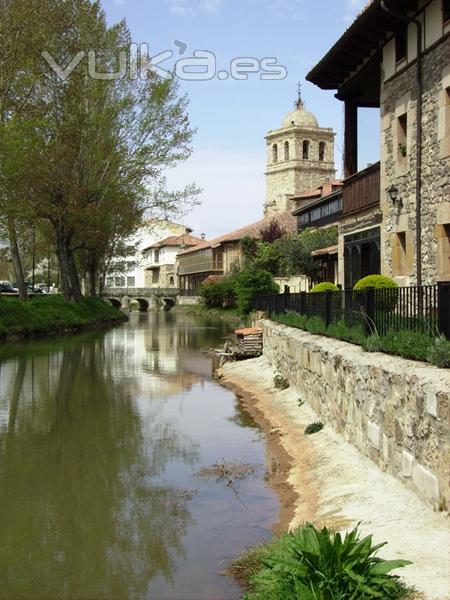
(69, 275)
(17, 261)
(92, 276)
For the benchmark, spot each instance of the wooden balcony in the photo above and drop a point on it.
(362, 190)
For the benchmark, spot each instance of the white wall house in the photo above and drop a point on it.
(160, 258)
(131, 271)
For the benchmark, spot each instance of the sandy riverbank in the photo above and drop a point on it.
(330, 482)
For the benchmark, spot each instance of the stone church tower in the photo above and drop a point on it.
(300, 158)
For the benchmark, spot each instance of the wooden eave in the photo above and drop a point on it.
(357, 45)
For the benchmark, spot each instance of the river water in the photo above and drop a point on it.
(102, 441)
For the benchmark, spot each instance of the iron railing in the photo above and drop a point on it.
(416, 308)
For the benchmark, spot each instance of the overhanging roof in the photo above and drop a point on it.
(317, 202)
(358, 44)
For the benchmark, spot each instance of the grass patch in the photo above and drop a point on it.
(47, 315)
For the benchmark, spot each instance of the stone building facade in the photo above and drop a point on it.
(300, 157)
(375, 65)
(398, 157)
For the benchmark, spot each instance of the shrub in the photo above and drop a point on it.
(249, 283)
(341, 331)
(292, 319)
(312, 564)
(280, 382)
(373, 343)
(314, 428)
(316, 325)
(409, 344)
(439, 352)
(218, 295)
(386, 293)
(325, 286)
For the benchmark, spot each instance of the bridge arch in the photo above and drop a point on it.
(143, 304)
(115, 302)
(169, 303)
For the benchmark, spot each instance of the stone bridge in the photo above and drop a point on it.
(147, 298)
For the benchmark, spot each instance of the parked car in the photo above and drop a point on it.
(6, 287)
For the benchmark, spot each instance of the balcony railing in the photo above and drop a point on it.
(362, 190)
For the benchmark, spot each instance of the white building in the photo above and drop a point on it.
(131, 271)
(160, 258)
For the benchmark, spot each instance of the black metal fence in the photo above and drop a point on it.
(417, 308)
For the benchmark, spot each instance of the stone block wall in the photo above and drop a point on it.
(395, 411)
(399, 97)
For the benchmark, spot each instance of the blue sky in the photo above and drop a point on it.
(231, 116)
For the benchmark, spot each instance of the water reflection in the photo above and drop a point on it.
(98, 446)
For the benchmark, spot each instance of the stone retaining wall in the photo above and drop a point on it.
(393, 410)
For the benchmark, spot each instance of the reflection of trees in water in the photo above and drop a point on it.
(242, 418)
(82, 516)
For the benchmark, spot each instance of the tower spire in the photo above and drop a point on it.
(299, 103)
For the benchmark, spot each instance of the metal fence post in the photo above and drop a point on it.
(370, 308)
(328, 308)
(444, 308)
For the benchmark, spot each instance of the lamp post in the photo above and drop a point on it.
(392, 192)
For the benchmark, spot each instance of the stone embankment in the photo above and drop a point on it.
(386, 425)
(395, 411)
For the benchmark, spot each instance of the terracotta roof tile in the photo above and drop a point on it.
(285, 220)
(176, 240)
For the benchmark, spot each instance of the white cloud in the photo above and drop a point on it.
(188, 8)
(233, 189)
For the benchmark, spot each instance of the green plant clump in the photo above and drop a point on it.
(280, 382)
(314, 428)
(325, 286)
(50, 314)
(312, 564)
(386, 290)
(439, 352)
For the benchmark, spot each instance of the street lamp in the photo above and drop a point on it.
(393, 195)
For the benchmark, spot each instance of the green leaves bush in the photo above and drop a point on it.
(325, 286)
(239, 290)
(386, 290)
(312, 564)
(406, 343)
(439, 352)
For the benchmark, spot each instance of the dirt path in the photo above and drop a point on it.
(330, 482)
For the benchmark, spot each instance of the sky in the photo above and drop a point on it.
(233, 116)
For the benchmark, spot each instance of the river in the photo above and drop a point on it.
(103, 438)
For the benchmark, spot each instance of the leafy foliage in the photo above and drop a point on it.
(249, 283)
(439, 352)
(406, 343)
(267, 256)
(314, 427)
(296, 250)
(271, 232)
(239, 289)
(312, 564)
(280, 382)
(409, 344)
(325, 286)
(248, 246)
(386, 293)
(220, 294)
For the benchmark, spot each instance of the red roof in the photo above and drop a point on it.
(176, 240)
(285, 220)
